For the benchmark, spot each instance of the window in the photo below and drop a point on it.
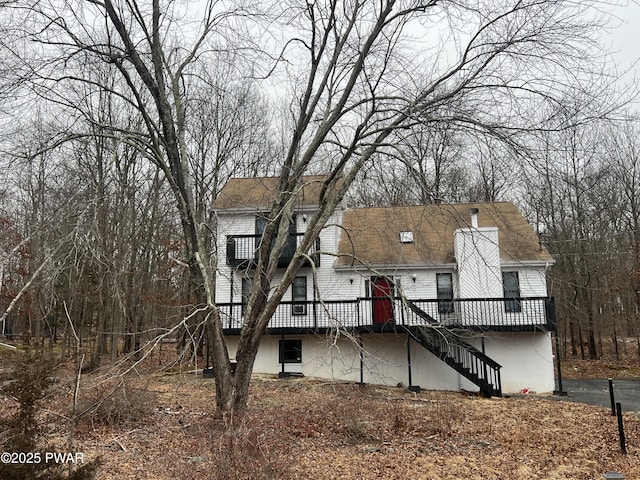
(290, 351)
(290, 243)
(299, 296)
(246, 291)
(261, 223)
(406, 237)
(444, 285)
(511, 287)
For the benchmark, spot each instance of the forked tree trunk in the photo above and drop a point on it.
(224, 380)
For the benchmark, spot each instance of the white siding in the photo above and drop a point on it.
(478, 272)
(526, 359)
(477, 254)
(334, 287)
(533, 281)
(230, 224)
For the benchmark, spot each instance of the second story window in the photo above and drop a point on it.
(444, 286)
(290, 243)
(261, 223)
(299, 296)
(511, 288)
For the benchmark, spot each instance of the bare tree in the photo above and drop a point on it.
(355, 73)
(426, 165)
(574, 202)
(356, 103)
(625, 165)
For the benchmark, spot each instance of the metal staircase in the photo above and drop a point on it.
(452, 349)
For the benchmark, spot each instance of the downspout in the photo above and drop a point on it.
(550, 314)
(412, 388)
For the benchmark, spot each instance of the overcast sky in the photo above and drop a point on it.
(624, 40)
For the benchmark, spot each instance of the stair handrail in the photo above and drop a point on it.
(464, 354)
(448, 334)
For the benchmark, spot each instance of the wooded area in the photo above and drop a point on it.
(122, 121)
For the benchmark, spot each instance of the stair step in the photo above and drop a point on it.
(434, 345)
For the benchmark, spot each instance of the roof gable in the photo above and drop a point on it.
(260, 193)
(371, 236)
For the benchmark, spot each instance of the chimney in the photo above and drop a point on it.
(474, 217)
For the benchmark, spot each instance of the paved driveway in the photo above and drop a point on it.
(596, 392)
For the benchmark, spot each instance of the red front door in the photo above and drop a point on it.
(382, 303)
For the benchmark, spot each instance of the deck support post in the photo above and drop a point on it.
(361, 351)
(412, 387)
(282, 373)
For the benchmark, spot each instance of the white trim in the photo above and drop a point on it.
(437, 266)
(526, 263)
(404, 266)
(476, 229)
(406, 236)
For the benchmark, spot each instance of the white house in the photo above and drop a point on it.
(433, 296)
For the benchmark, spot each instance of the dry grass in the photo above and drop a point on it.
(304, 428)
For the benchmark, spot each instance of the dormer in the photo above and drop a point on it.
(242, 208)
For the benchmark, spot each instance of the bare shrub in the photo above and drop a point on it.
(248, 451)
(445, 416)
(29, 383)
(357, 423)
(353, 416)
(346, 415)
(116, 404)
(399, 424)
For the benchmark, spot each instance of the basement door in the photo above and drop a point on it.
(382, 299)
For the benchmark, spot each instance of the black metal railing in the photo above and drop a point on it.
(485, 313)
(242, 250)
(310, 315)
(488, 312)
(463, 357)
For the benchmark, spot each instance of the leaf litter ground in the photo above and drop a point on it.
(306, 428)
(162, 426)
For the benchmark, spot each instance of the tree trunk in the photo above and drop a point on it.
(224, 380)
(593, 352)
